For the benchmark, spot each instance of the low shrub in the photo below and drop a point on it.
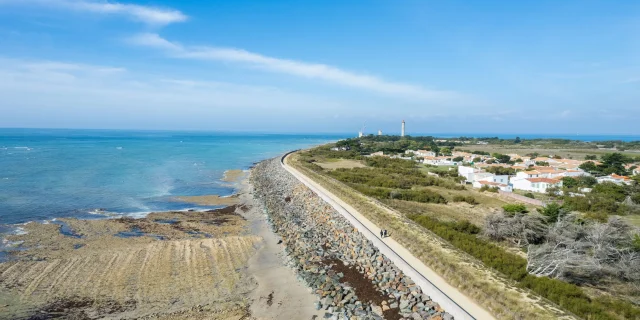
(489, 189)
(514, 208)
(468, 199)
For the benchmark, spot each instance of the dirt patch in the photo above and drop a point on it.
(363, 287)
(342, 163)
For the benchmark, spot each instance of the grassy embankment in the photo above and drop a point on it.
(509, 265)
(494, 292)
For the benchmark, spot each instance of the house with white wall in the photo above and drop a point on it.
(527, 174)
(575, 173)
(424, 153)
(440, 161)
(467, 172)
(535, 184)
(614, 178)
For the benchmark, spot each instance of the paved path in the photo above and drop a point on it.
(449, 298)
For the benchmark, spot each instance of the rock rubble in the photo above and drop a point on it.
(349, 275)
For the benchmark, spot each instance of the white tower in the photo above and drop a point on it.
(379, 132)
(402, 133)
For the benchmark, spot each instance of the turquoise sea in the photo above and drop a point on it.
(46, 173)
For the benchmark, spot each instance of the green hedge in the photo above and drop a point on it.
(424, 196)
(566, 295)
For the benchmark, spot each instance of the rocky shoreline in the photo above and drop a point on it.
(347, 273)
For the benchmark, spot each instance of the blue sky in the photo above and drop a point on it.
(327, 66)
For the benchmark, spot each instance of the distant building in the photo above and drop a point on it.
(615, 179)
(402, 132)
(379, 132)
(535, 184)
(424, 153)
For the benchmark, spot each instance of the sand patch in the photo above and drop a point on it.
(210, 200)
(233, 175)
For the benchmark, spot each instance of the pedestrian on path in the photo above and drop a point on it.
(381, 233)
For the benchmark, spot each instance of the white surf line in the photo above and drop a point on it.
(447, 296)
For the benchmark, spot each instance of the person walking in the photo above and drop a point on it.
(381, 233)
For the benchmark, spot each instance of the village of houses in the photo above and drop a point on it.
(529, 176)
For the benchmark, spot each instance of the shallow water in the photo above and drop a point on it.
(45, 174)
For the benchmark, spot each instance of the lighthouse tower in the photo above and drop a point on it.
(402, 133)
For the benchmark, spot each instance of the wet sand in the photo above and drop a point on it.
(218, 264)
(234, 175)
(279, 294)
(210, 200)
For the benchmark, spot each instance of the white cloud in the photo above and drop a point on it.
(292, 67)
(146, 14)
(92, 95)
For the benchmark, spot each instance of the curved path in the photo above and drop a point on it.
(449, 298)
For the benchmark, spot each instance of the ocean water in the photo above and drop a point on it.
(46, 174)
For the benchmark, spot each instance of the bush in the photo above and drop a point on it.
(514, 208)
(423, 196)
(553, 211)
(468, 199)
(489, 189)
(529, 195)
(501, 170)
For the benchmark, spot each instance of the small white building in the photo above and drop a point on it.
(535, 184)
(490, 177)
(527, 174)
(467, 172)
(424, 153)
(439, 161)
(614, 178)
(575, 173)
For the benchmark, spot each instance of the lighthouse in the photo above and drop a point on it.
(402, 133)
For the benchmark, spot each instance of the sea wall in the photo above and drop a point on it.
(350, 277)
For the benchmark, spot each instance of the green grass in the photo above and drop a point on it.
(436, 169)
